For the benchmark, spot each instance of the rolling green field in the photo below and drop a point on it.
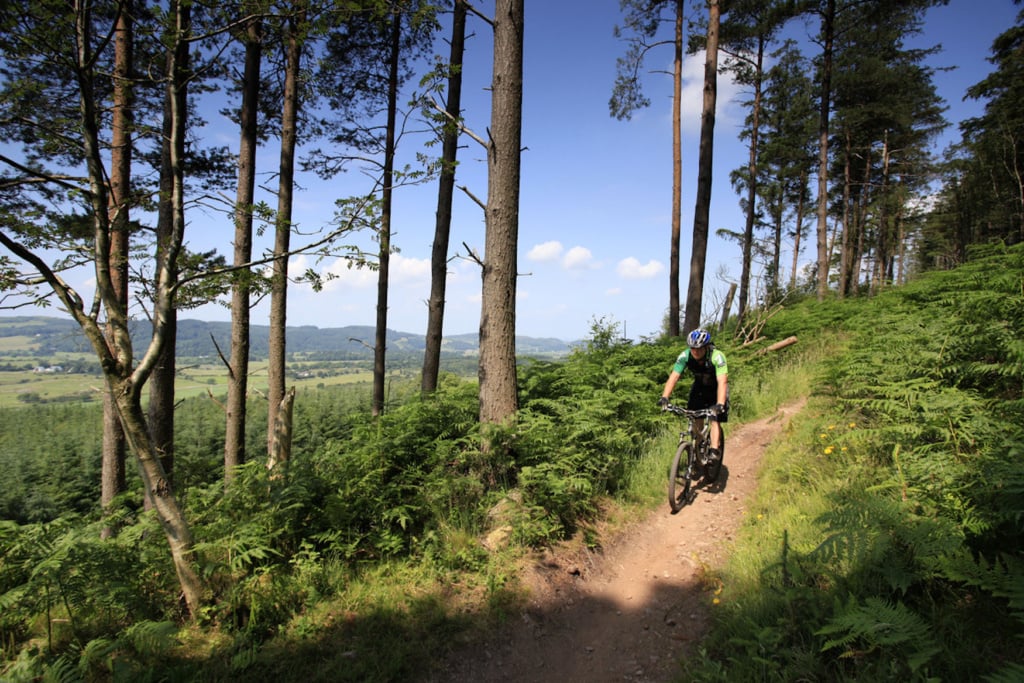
(27, 378)
(20, 387)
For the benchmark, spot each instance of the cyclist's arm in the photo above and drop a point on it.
(677, 371)
(670, 384)
(723, 389)
(722, 375)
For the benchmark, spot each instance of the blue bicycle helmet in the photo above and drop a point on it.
(698, 339)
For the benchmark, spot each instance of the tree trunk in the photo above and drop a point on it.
(748, 228)
(497, 369)
(727, 306)
(698, 255)
(779, 220)
(283, 229)
(860, 223)
(169, 234)
(384, 256)
(884, 229)
(677, 177)
(798, 232)
(238, 372)
(113, 468)
(161, 382)
(445, 194)
(149, 451)
(827, 30)
(159, 492)
(846, 248)
(281, 441)
(901, 241)
(161, 390)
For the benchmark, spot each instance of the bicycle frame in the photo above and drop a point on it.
(700, 438)
(691, 460)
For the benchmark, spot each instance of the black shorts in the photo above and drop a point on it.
(702, 396)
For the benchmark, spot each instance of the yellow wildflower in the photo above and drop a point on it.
(829, 449)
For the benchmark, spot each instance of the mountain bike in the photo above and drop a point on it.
(692, 461)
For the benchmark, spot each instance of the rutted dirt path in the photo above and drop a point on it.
(630, 612)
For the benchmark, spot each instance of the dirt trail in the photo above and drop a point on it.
(632, 611)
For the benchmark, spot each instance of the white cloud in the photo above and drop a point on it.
(578, 258)
(692, 98)
(614, 291)
(409, 271)
(631, 269)
(343, 274)
(546, 251)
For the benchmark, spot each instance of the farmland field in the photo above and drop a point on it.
(25, 380)
(46, 360)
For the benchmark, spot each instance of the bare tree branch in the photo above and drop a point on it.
(477, 12)
(472, 196)
(473, 255)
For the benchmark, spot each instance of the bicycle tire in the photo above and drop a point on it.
(713, 469)
(679, 481)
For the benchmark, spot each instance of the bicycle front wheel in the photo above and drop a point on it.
(679, 477)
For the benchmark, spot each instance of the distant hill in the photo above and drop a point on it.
(196, 339)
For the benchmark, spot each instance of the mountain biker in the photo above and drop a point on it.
(710, 385)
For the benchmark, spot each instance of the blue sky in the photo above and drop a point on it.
(595, 211)
(595, 192)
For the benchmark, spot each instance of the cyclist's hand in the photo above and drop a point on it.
(718, 409)
(662, 402)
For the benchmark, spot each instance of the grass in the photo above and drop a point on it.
(18, 387)
(16, 343)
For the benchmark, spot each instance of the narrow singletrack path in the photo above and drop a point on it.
(632, 611)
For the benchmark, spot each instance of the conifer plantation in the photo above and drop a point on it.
(363, 530)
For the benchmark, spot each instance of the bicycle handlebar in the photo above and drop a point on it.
(693, 414)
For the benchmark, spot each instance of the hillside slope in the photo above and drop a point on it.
(48, 335)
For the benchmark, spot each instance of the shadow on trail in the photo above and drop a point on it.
(706, 487)
(638, 635)
(719, 485)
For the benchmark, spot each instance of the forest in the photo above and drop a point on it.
(336, 533)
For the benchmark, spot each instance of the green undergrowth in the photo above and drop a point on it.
(384, 544)
(885, 542)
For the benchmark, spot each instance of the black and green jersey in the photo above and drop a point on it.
(707, 370)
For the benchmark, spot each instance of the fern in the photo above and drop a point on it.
(1011, 673)
(879, 630)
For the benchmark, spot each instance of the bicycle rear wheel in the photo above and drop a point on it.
(714, 468)
(679, 478)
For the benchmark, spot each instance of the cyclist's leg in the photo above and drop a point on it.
(716, 425)
(697, 400)
(702, 397)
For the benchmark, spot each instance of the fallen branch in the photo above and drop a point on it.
(788, 341)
